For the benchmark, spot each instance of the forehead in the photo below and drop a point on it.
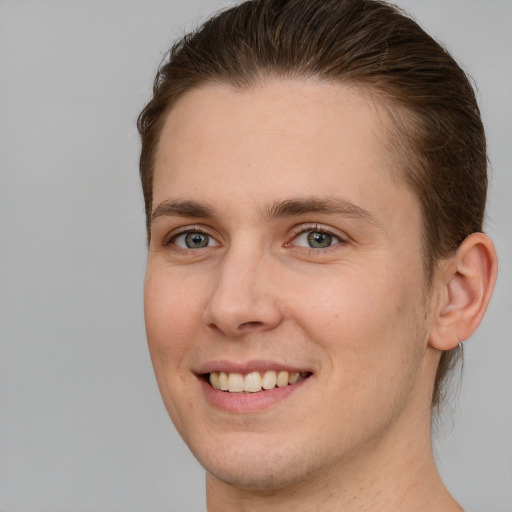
(299, 108)
(279, 138)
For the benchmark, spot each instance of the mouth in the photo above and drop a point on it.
(254, 381)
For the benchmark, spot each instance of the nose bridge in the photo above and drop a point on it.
(241, 299)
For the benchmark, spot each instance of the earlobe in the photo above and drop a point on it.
(465, 287)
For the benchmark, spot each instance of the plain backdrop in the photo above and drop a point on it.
(82, 426)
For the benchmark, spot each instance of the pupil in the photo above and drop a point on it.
(195, 240)
(316, 239)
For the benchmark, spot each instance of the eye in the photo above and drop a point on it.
(316, 239)
(194, 240)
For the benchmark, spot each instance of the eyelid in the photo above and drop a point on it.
(320, 228)
(296, 231)
(183, 230)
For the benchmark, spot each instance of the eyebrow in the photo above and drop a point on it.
(284, 208)
(179, 208)
(327, 205)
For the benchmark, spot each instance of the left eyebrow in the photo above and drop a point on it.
(328, 205)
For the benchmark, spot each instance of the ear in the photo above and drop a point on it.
(463, 288)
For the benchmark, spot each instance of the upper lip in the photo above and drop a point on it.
(223, 365)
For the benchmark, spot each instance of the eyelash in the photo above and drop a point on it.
(315, 228)
(303, 229)
(171, 240)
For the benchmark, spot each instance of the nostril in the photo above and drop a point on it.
(250, 325)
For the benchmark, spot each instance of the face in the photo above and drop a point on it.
(284, 297)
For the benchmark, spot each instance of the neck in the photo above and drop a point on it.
(395, 473)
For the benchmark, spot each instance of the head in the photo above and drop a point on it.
(437, 135)
(434, 140)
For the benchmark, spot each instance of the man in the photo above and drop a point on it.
(315, 176)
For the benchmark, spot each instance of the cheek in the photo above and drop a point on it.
(172, 312)
(171, 318)
(366, 321)
(367, 327)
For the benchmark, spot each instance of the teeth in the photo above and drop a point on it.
(215, 380)
(253, 382)
(282, 379)
(294, 377)
(235, 383)
(269, 380)
(223, 381)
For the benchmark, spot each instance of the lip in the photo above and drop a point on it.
(248, 366)
(246, 402)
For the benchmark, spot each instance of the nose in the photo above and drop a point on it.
(244, 295)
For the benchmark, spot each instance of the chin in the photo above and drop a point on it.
(259, 468)
(267, 479)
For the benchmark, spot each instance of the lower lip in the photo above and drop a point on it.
(243, 403)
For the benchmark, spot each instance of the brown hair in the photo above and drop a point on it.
(437, 128)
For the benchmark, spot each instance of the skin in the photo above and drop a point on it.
(356, 314)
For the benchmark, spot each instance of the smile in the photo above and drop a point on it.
(255, 381)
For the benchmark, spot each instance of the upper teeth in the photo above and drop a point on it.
(253, 381)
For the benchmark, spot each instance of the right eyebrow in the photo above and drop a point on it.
(179, 208)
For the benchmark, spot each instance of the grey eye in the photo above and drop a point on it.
(316, 240)
(319, 240)
(194, 240)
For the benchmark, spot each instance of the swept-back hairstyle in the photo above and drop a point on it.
(437, 136)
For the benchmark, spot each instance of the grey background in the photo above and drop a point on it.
(82, 427)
